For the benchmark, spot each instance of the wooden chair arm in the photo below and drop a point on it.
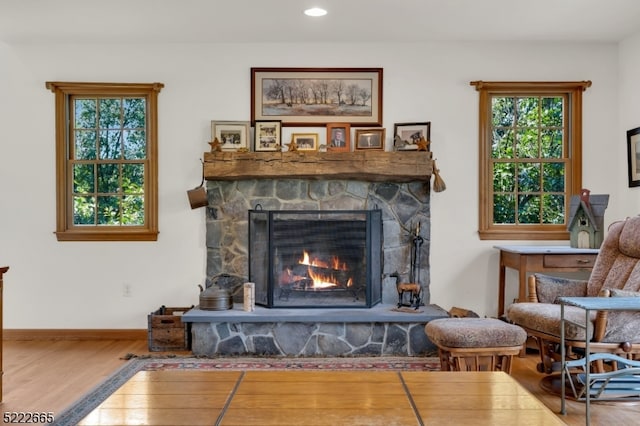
(600, 325)
(533, 295)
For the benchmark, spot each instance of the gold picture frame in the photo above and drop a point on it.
(305, 141)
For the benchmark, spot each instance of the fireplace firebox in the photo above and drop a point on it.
(316, 259)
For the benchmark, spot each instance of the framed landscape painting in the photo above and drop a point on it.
(317, 96)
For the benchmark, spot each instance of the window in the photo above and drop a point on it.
(106, 161)
(530, 158)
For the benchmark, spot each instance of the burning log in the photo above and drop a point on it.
(288, 277)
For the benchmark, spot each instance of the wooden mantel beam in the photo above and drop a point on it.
(370, 166)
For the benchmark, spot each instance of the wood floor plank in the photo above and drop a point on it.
(42, 376)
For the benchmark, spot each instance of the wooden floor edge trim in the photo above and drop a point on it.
(74, 334)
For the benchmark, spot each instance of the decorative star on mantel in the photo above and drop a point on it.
(216, 146)
(423, 144)
(293, 146)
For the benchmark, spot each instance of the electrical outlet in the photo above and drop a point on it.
(126, 290)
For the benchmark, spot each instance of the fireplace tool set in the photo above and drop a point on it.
(413, 287)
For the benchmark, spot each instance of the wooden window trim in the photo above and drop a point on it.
(65, 230)
(490, 231)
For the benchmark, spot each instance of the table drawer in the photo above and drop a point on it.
(569, 260)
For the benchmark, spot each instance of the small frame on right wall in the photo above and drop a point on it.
(633, 156)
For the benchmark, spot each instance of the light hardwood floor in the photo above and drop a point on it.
(45, 376)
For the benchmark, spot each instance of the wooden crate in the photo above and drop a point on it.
(167, 332)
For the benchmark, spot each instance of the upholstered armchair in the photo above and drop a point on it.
(616, 273)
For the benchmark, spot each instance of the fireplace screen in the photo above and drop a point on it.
(316, 259)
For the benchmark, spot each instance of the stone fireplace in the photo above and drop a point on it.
(402, 205)
(395, 185)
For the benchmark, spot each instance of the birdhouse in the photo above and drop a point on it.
(586, 219)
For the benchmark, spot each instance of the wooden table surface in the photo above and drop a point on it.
(321, 398)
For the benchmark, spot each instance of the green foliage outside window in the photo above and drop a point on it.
(109, 160)
(527, 161)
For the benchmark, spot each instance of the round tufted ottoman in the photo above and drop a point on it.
(475, 344)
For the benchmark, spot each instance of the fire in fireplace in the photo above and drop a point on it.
(307, 259)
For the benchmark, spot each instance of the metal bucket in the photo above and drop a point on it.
(197, 197)
(215, 299)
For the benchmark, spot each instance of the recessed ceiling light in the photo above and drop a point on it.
(315, 11)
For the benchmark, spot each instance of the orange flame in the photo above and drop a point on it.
(321, 280)
(335, 262)
(318, 263)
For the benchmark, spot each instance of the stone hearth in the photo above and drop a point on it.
(378, 331)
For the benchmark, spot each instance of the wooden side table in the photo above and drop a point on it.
(540, 259)
(3, 269)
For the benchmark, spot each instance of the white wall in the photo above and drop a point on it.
(79, 285)
(629, 115)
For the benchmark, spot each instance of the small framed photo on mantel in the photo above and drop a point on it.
(407, 135)
(305, 141)
(338, 137)
(370, 139)
(233, 135)
(267, 136)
